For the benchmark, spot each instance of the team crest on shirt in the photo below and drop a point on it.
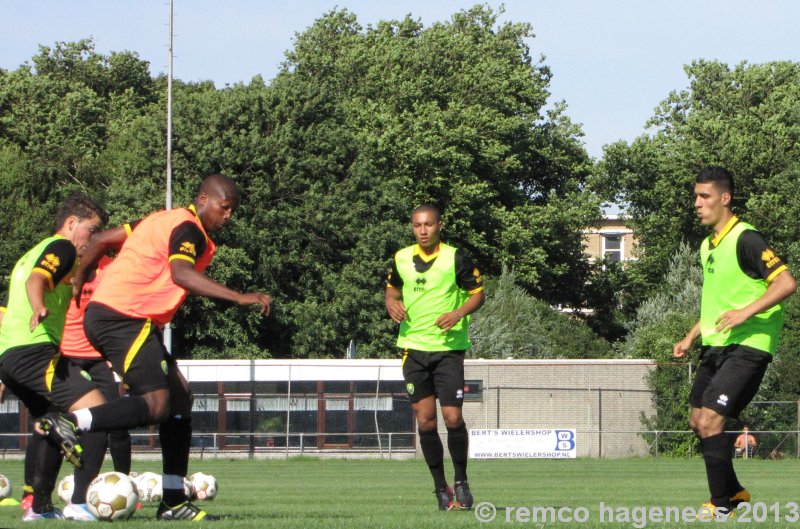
(410, 388)
(188, 248)
(769, 258)
(50, 262)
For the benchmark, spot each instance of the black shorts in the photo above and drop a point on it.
(434, 373)
(134, 347)
(43, 379)
(728, 378)
(100, 374)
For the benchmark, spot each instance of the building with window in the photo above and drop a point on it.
(612, 240)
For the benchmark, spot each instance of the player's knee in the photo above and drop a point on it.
(158, 408)
(426, 423)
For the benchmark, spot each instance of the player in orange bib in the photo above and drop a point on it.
(161, 261)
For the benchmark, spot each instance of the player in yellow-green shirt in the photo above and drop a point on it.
(431, 291)
(744, 283)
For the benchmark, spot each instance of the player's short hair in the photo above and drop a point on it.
(719, 176)
(220, 184)
(427, 207)
(81, 206)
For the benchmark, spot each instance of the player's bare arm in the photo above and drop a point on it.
(781, 287)
(36, 286)
(681, 348)
(102, 243)
(185, 276)
(447, 320)
(394, 304)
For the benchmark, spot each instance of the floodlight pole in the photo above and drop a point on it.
(168, 326)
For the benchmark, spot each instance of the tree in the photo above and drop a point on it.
(514, 324)
(744, 118)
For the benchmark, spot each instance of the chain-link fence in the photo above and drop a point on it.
(271, 408)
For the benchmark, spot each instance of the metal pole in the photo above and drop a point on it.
(168, 326)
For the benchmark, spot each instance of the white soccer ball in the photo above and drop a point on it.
(5, 487)
(65, 488)
(112, 496)
(149, 486)
(188, 489)
(204, 485)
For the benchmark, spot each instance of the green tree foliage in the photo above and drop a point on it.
(359, 127)
(661, 321)
(514, 324)
(745, 118)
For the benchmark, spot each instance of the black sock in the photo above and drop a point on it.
(719, 468)
(30, 461)
(48, 463)
(175, 435)
(458, 444)
(733, 479)
(119, 442)
(127, 412)
(432, 449)
(94, 451)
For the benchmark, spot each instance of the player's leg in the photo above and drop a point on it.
(449, 383)
(119, 440)
(419, 387)
(24, 371)
(175, 435)
(94, 443)
(739, 373)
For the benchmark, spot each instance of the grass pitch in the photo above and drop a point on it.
(331, 494)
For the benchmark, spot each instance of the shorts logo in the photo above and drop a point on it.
(722, 400)
(410, 388)
(460, 394)
(164, 366)
(86, 375)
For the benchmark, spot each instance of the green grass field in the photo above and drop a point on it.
(316, 493)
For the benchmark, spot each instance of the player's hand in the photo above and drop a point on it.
(396, 310)
(731, 319)
(257, 298)
(38, 317)
(681, 348)
(447, 320)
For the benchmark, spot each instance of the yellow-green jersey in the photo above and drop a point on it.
(738, 266)
(432, 285)
(54, 258)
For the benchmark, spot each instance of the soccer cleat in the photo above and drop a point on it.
(185, 511)
(65, 434)
(27, 501)
(79, 512)
(743, 496)
(52, 514)
(709, 511)
(445, 498)
(463, 495)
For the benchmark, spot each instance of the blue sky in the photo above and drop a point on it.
(613, 61)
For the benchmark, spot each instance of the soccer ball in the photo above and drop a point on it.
(205, 486)
(112, 496)
(65, 488)
(5, 487)
(149, 486)
(188, 489)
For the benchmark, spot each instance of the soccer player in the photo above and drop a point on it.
(744, 283)
(162, 260)
(30, 366)
(76, 349)
(431, 291)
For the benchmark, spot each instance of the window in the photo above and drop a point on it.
(612, 248)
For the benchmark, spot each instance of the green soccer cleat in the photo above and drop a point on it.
(65, 434)
(185, 511)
